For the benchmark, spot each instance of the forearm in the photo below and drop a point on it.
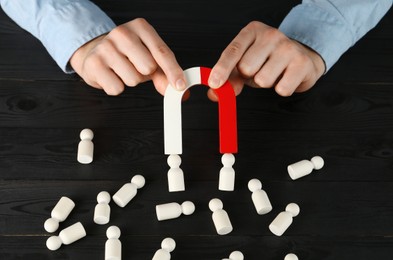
(61, 25)
(331, 27)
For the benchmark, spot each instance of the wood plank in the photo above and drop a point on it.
(206, 247)
(50, 154)
(346, 118)
(328, 106)
(328, 209)
(198, 35)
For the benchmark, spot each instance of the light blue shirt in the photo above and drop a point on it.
(330, 27)
(61, 25)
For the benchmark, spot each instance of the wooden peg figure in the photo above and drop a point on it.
(175, 174)
(227, 173)
(235, 255)
(113, 244)
(174, 210)
(305, 167)
(102, 210)
(291, 257)
(220, 217)
(128, 191)
(59, 213)
(167, 246)
(66, 236)
(86, 147)
(283, 220)
(259, 197)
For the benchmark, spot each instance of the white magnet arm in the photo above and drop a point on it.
(172, 112)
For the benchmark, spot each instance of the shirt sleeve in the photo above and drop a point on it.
(331, 27)
(61, 25)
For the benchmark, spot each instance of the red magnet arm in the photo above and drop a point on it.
(226, 113)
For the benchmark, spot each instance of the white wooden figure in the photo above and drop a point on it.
(128, 191)
(283, 220)
(174, 210)
(291, 257)
(113, 244)
(259, 197)
(235, 255)
(167, 246)
(86, 147)
(66, 236)
(102, 210)
(220, 217)
(175, 174)
(59, 213)
(304, 167)
(227, 173)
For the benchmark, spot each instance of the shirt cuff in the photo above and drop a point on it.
(320, 30)
(76, 24)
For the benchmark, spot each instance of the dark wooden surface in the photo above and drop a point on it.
(347, 118)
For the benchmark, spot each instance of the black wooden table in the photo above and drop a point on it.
(347, 118)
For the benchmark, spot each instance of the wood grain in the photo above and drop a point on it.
(347, 118)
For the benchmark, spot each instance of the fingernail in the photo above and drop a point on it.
(214, 81)
(180, 84)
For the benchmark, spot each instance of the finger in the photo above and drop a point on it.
(164, 57)
(271, 71)
(298, 77)
(305, 85)
(123, 68)
(109, 81)
(237, 85)
(237, 82)
(254, 58)
(230, 57)
(131, 46)
(212, 95)
(186, 95)
(97, 73)
(160, 81)
(251, 83)
(292, 78)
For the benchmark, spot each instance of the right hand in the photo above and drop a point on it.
(263, 57)
(130, 54)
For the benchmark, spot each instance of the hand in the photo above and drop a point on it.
(263, 57)
(130, 54)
